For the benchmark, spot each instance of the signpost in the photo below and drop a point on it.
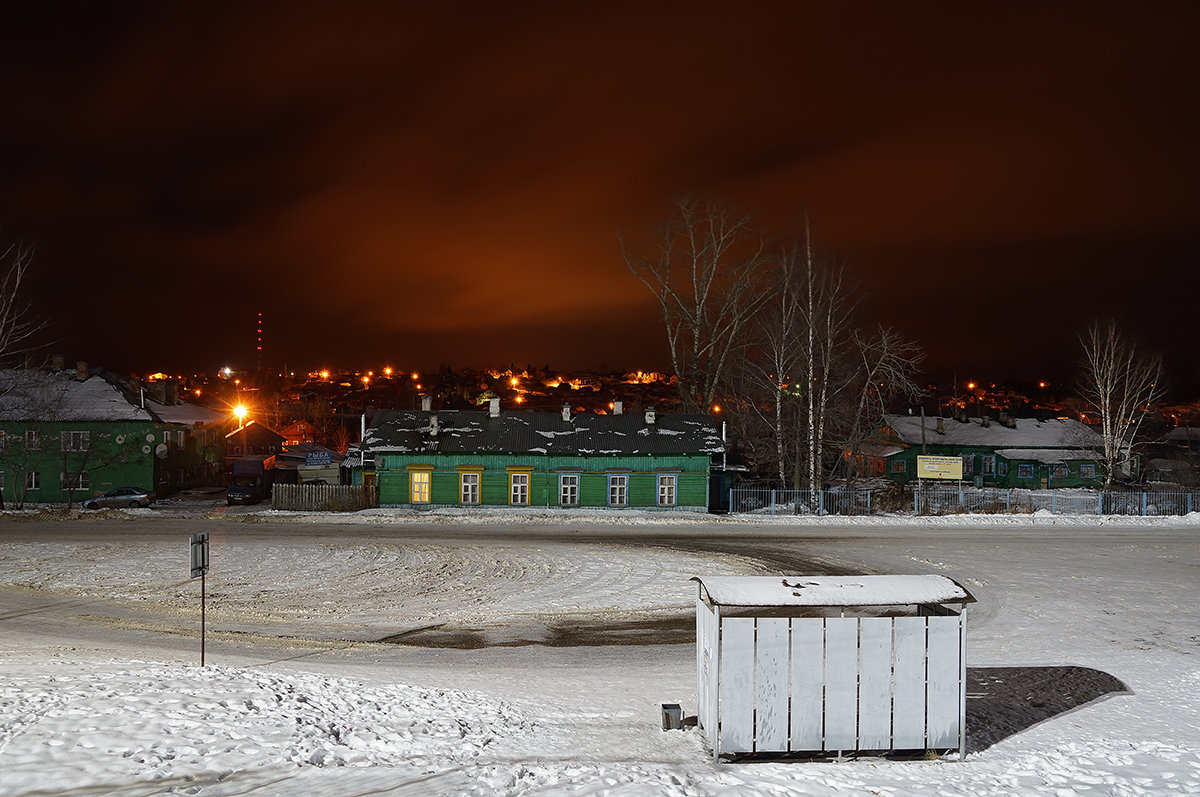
(199, 560)
(935, 468)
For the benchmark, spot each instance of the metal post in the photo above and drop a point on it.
(1053, 502)
(202, 596)
(1100, 503)
(1144, 497)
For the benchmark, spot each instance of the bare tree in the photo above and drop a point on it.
(1120, 385)
(764, 380)
(887, 370)
(18, 324)
(704, 269)
(828, 309)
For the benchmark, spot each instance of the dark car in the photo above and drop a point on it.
(120, 497)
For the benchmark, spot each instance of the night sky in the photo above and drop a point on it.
(418, 184)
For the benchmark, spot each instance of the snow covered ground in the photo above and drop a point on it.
(1083, 654)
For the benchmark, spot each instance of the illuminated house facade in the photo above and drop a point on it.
(1009, 452)
(476, 458)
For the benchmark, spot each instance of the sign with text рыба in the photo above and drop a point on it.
(939, 467)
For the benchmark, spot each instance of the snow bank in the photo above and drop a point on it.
(172, 725)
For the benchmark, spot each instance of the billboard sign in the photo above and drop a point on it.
(939, 467)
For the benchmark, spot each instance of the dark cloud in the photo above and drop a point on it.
(445, 182)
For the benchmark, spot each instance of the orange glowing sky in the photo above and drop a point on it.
(445, 182)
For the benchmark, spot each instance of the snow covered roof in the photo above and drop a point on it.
(186, 414)
(1049, 456)
(48, 396)
(543, 433)
(1027, 432)
(833, 590)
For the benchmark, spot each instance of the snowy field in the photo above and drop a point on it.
(1083, 653)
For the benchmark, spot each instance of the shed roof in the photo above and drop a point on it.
(833, 590)
(542, 433)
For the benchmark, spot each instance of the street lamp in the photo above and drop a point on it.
(239, 412)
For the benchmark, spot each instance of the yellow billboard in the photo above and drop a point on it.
(939, 467)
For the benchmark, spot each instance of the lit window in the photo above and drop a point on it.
(519, 492)
(418, 484)
(75, 441)
(618, 489)
(666, 489)
(470, 488)
(568, 489)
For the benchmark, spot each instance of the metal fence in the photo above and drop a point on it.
(951, 500)
(323, 497)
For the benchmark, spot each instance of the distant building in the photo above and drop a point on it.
(66, 435)
(1009, 452)
(494, 458)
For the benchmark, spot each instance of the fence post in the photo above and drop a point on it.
(1054, 503)
(1189, 503)
(1145, 495)
(917, 499)
(820, 503)
(731, 500)
(869, 501)
(1100, 503)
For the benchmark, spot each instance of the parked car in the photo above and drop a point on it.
(120, 497)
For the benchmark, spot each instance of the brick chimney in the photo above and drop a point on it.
(618, 408)
(566, 413)
(494, 408)
(649, 416)
(426, 403)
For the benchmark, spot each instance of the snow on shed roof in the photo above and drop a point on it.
(833, 590)
(1027, 433)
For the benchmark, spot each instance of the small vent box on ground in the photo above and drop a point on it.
(827, 665)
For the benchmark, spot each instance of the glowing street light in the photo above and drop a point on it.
(240, 412)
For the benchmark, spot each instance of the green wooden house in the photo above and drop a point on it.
(497, 459)
(67, 435)
(1005, 452)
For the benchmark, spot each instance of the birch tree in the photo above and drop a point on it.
(1120, 385)
(705, 268)
(18, 323)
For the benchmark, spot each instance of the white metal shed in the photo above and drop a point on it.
(831, 664)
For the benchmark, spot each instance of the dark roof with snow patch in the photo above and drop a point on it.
(542, 433)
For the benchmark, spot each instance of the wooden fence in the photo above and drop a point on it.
(324, 497)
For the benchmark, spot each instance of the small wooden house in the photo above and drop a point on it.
(493, 458)
(1009, 452)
